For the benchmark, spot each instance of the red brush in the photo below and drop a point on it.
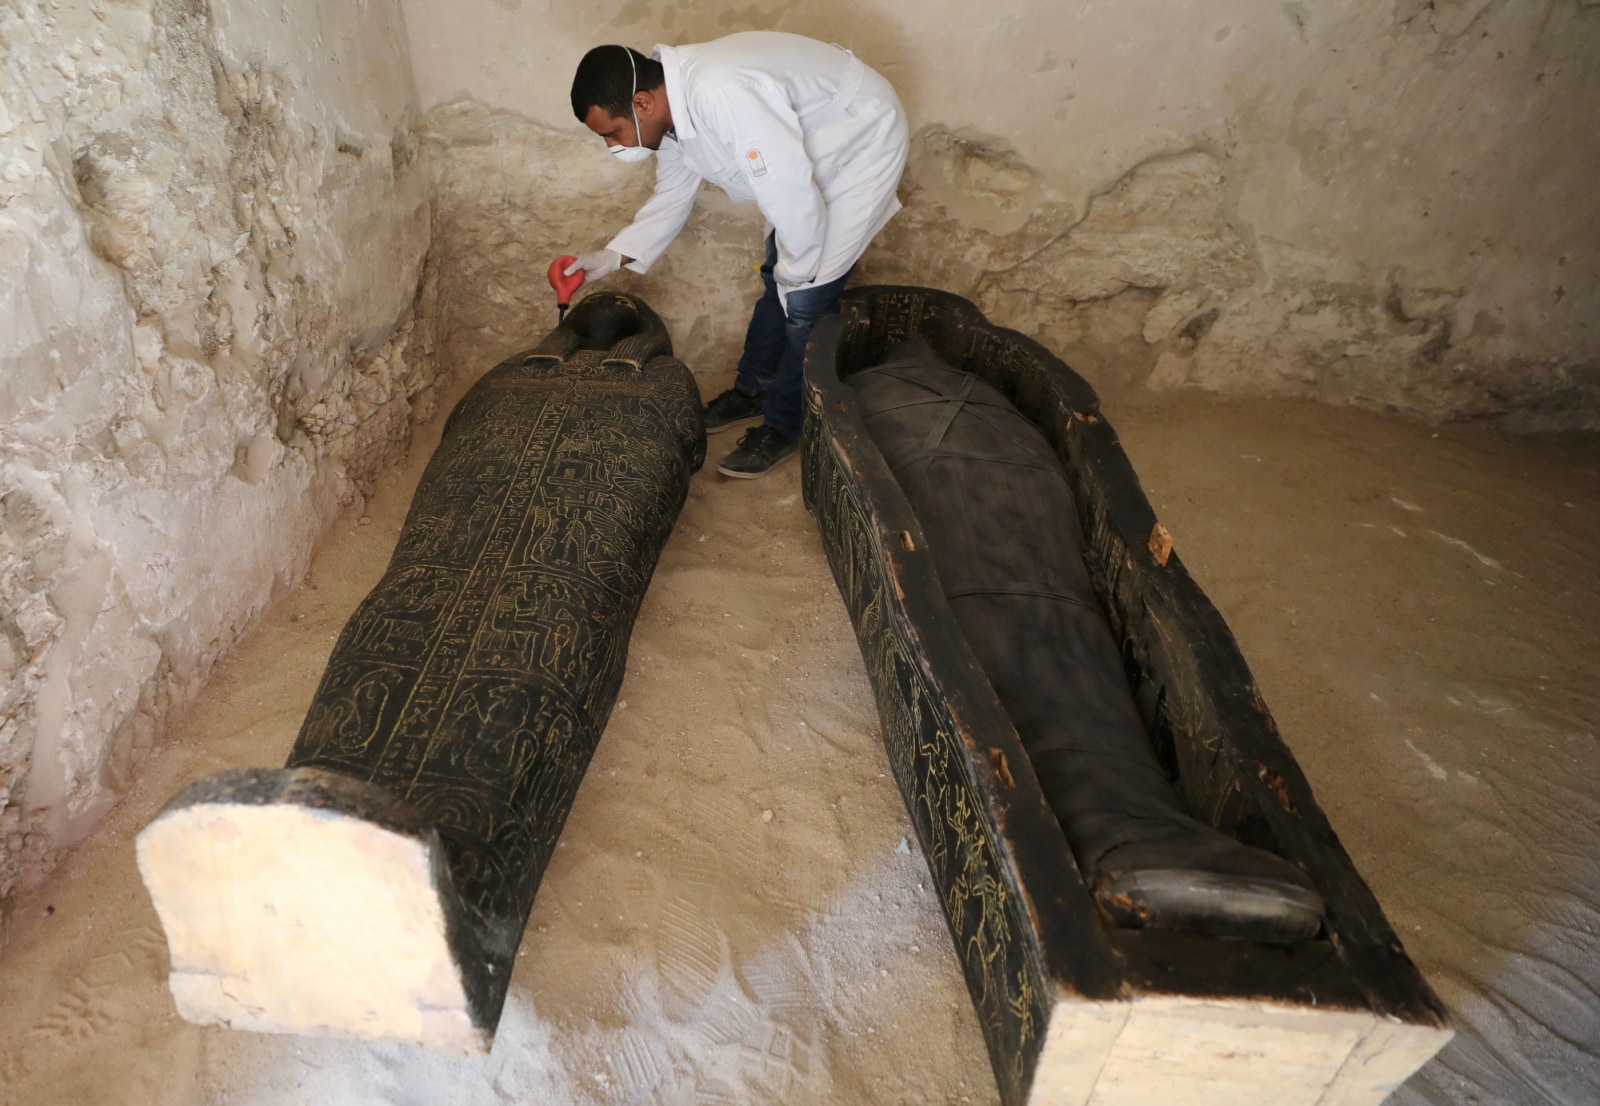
(563, 284)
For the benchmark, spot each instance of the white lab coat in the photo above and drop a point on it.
(804, 130)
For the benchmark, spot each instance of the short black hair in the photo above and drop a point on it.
(605, 79)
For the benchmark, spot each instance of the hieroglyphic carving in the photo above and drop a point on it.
(475, 679)
(1030, 939)
(465, 695)
(924, 746)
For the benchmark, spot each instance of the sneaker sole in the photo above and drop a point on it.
(754, 475)
(748, 421)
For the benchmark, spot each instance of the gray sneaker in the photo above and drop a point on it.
(732, 408)
(758, 451)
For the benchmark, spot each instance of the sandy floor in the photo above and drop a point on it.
(1420, 608)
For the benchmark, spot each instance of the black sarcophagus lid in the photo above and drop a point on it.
(1085, 993)
(378, 884)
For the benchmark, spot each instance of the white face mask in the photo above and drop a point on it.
(641, 152)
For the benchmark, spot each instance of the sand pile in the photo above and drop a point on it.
(734, 915)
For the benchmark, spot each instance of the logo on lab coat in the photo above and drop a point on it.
(757, 163)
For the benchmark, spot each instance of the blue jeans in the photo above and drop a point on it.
(775, 345)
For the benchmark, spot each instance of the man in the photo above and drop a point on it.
(801, 129)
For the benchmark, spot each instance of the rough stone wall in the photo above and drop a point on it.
(216, 320)
(512, 194)
(1386, 202)
(213, 220)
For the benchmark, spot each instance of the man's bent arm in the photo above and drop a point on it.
(664, 213)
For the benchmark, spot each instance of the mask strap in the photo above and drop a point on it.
(638, 138)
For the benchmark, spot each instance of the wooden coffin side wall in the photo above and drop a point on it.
(1194, 689)
(1024, 926)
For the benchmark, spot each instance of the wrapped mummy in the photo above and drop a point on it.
(1003, 531)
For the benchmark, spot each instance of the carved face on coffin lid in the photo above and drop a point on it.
(603, 319)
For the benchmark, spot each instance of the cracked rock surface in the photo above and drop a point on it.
(210, 251)
(244, 244)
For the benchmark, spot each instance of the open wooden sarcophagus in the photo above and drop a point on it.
(1233, 954)
(378, 885)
